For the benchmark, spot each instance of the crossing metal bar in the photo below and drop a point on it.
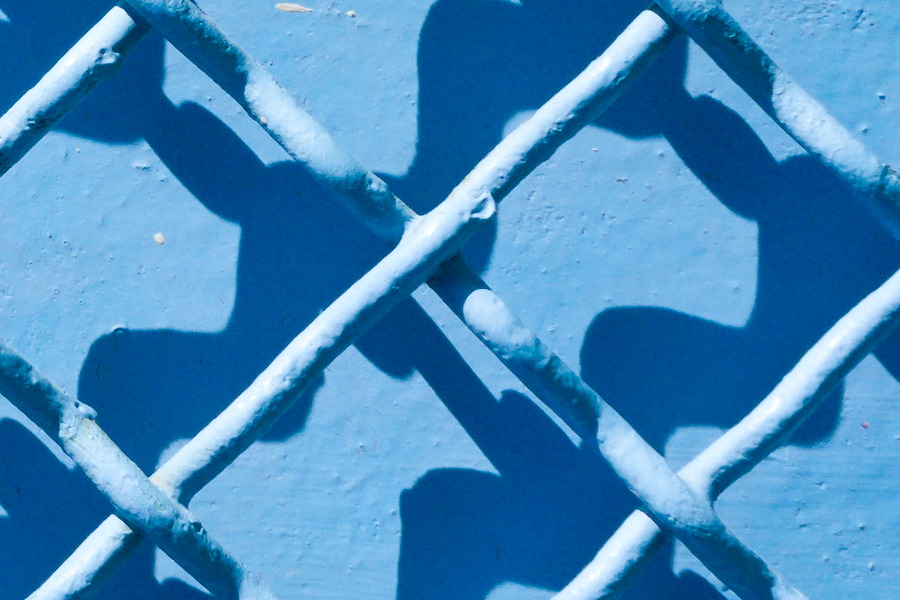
(100, 52)
(137, 501)
(433, 240)
(743, 446)
(582, 102)
(307, 142)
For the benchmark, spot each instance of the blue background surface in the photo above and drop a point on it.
(681, 254)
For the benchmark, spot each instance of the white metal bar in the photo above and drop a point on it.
(672, 503)
(92, 564)
(195, 35)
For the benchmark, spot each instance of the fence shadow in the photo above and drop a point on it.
(39, 32)
(819, 254)
(480, 62)
(51, 509)
(296, 255)
(294, 258)
(36, 491)
(551, 504)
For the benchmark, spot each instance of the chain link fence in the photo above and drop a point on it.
(425, 249)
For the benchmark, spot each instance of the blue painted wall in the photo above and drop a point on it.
(681, 253)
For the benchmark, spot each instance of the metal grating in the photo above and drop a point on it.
(425, 250)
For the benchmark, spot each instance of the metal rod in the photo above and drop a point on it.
(789, 105)
(743, 446)
(585, 98)
(137, 501)
(433, 240)
(532, 152)
(672, 503)
(94, 58)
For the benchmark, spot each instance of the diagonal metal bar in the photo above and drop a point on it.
(743, 446)
(789, 105)
(436, 237)
(92, 564)
(95, 57)
(510, 186)
(137, 501)
(195, 35)
(673, 504)
(589, 95)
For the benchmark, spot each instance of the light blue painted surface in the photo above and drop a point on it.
(671, 269)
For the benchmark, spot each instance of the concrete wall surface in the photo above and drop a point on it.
(681, 253)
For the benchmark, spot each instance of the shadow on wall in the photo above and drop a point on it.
(480, 62)
(819, 254)
(295, 256)
(39, 32)
(51, 509)
(167, 384)
(552, 504)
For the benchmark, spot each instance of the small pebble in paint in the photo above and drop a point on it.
(159, 238)
(865, 425)
(351, 14)
(291, 7)
(263, 121)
